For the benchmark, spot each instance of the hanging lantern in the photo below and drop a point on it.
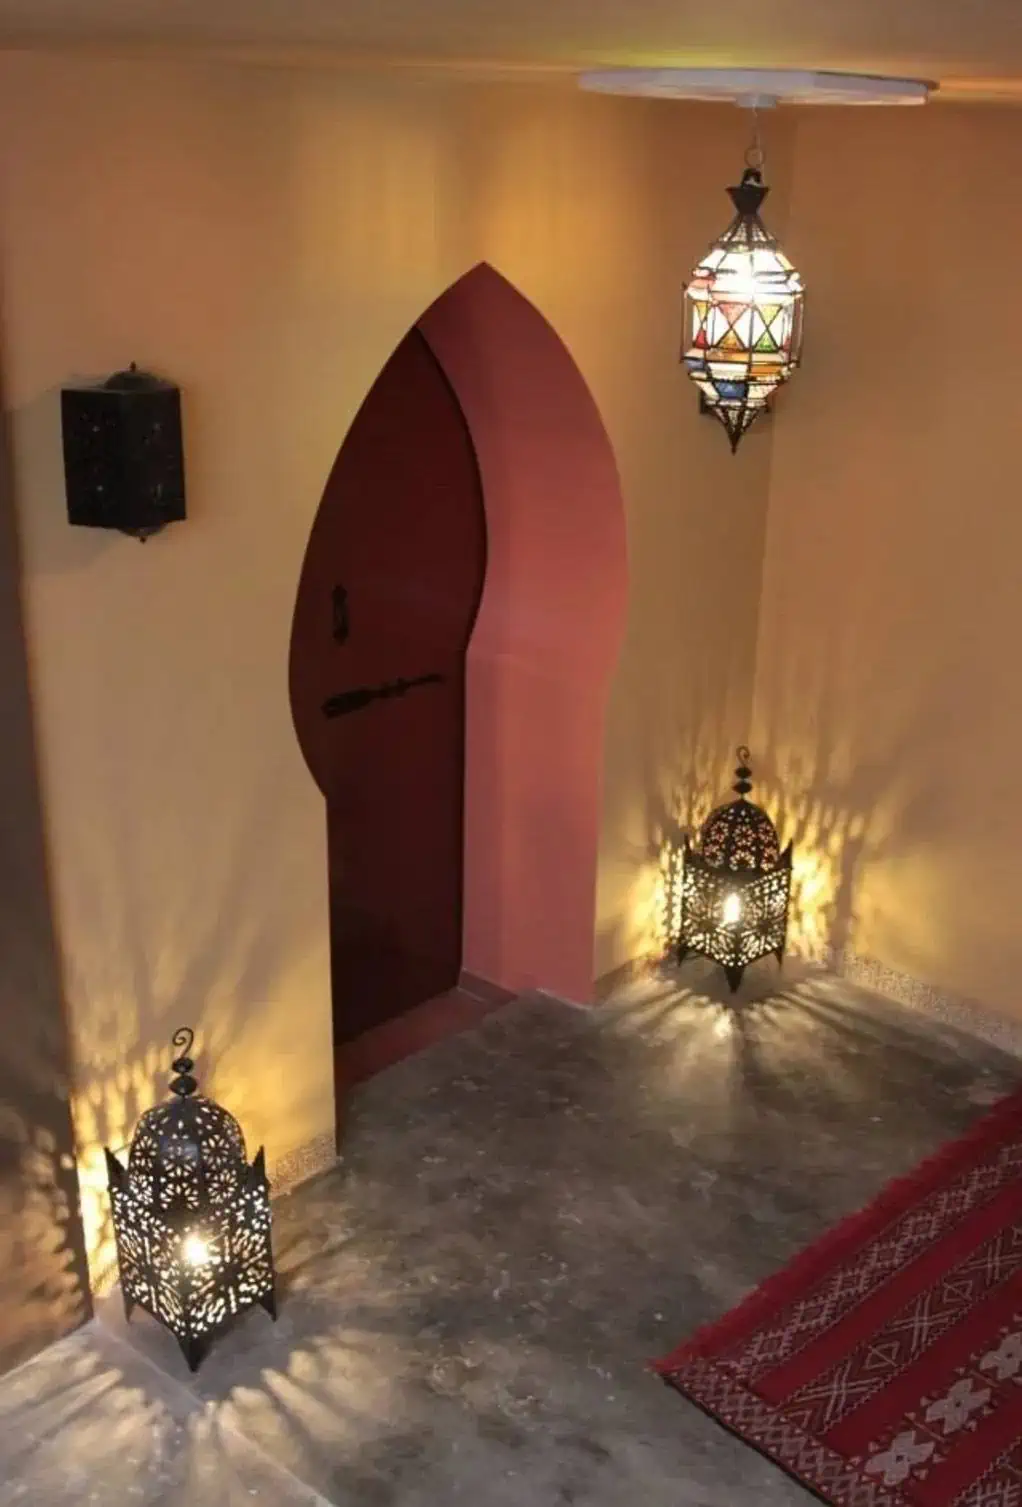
(743, 308)
(735, 886)
(191, 1217)
(743, 315)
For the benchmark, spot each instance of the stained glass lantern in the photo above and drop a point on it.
(735, 886)
(743, 316)
(191, 1216)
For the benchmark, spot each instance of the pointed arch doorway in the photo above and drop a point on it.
(459, 615)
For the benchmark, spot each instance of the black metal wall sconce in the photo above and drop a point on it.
(731, 892)
(191, 1216)
(123, 453)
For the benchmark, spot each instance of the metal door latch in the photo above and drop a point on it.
(346, 702)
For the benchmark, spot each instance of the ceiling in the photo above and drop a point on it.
(972, 47)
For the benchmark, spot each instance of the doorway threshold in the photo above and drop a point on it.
(445, 1015)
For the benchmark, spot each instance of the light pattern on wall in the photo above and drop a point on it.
(192, 1217)
(744, 316)
(668, 897)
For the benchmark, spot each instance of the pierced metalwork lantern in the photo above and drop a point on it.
(744, 316)
(735, 886)
(191, 1216)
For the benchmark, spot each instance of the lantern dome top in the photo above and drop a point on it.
(740, 835)
(133, 380)
(187, 1152)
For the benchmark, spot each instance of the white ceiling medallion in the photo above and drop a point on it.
(758, 88)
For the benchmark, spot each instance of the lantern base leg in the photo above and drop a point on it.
(734, 977)
(129, 1306)
(194, 1352)
(269, 1302)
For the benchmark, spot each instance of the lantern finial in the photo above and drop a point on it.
(748, 195)
(743, 774)
(183, 1084)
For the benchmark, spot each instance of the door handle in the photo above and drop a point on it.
(346, 702)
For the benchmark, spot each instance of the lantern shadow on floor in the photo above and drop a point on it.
(90, 1421)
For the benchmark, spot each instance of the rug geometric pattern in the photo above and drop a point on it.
(883, 1367)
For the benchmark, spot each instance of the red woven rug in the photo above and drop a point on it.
(883, 1367)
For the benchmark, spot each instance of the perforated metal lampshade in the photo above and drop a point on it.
(744, 308)
(191, 1216)
(735, 886)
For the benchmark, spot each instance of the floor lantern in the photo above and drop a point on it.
(735, 886)
(191, 1216)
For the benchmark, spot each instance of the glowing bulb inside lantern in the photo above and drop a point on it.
(732, 910)
(196, 1251)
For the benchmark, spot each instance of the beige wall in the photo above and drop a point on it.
(265, 238)
(888, 695)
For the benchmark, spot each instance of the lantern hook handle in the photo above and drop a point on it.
(183, 1037)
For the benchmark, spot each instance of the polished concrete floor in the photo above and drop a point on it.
(525, 1214)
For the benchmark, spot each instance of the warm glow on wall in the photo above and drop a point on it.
(668, 897)
(814, 888)
(105, 1112)
(743, 316)
(838, 822)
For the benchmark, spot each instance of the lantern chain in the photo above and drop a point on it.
(755, 156)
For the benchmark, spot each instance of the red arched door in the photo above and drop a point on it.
(387, 599)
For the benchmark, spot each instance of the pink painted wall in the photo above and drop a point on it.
(546, 640)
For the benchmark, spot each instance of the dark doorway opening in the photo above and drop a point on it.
(388, 596)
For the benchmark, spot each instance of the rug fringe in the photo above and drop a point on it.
(803, 1270)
